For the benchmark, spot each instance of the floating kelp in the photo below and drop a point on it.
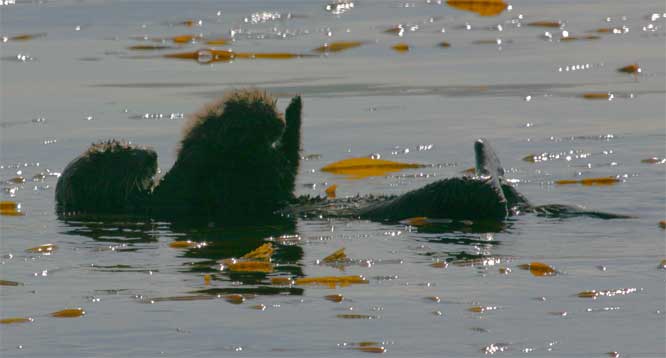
(568, 38)
(10, 283)
(338, 46)
(401, 47)
(235, 298)
(10, 208)
(69, 313)
(662, 224)
(355, 316)
(207, 278)
(218, 41)
(207, 56)
(262, 253)
(185, 39)
(359, 168)
(330, 191)
(45, 249)
(331, 281)
(337, 256)
(335, 298)
(556, 24)
(150, 47)
(371, 349)
(482, 309)
(23, 37)
(481, 7)
(282, 281)
(259, 307)
(538, 269)
(444, 44)
(439, 264)
(14, 320)
(590, 181)
(187, 244)
(633, 69)
(654, 160)
(598, 95)
(248, 266)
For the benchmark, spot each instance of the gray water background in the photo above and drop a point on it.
(359, 102)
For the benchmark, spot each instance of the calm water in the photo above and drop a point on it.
(80, 83)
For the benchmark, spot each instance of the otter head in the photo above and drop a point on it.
(242, 119)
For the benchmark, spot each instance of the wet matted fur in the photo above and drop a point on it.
(110, 177)
(237, 161)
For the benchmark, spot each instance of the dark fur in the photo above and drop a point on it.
(237, 162)
(110, 177)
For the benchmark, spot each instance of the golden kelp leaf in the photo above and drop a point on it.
(355, 316)
(444, 44)
(183, 39)
(662, 224)
(45, 249)
(207, 279)
(259, 307)
(191, 23)
(17, 180)
(576, 38)
(359, 168)
(371, 349)
(330, 191)
(10, 208)
(481, 309)
(282, 281)
(545, 24)
(538, 269)
(235, 298)
(336, 256)
(150, 47)
(263, 253)
(207, 56)
(416, 221)
(590, 181)
(331, 280)
(481, 7)
(401, 47)
(588, 294)
(251, 266)
(13, 320)
(338, 46)
(25, 37)
(218, 42)
(654, 160)
(10, 283)
(439, 264)
(633, 68)
(335, 298)
(69, 313)
(182, 244)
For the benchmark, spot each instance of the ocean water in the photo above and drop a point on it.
(76, 81)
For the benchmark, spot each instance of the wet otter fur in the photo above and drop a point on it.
(112, 177)
(237, 161)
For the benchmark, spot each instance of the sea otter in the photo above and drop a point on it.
(237, 163)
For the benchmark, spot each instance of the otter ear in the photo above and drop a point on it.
(293, 112)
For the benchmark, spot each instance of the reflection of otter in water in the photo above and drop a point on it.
(238, 162)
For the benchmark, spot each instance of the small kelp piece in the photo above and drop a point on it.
(444, 44)
(282, 281)
(10, 208)
(330, 191)
(10, 283)
(335, 298)
(24, 37)
(481, 7)
(633, 69)
(331, 281)
(555, 24)
(218, 41)
(590, 181)
(187, 244)
(235, 298)
(207, 56)
(355, 316)
(248, 266)
(337, 256)
(338, 46)
(400, 47)
(662, 224)
(184, 39)
(654, 160)
(261, 253)
(359, 168)
(594, 294)
(14, 320)
(538, 269)
(482, 309)
(45, 249)
(69, 313)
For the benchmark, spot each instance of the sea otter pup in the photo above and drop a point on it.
(237, 161)
(112, 177)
